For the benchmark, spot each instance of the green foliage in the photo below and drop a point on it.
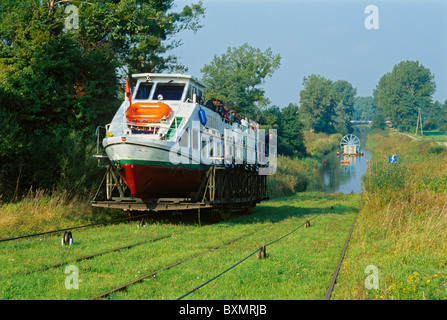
(383, 178)
(436, 149)
(58, 84)
(435, 116)
(293, 175)
(289, 126)
(236, 77)
(78, 171)
(12, 148)
(320, 144)
(51, 162)
(364, 109)
(378, 121)
(401, 92)
(290, 132)
(344, 109)
(63, 88)
(317, 103)
(137, 33)
(299, 266)
(327, 106)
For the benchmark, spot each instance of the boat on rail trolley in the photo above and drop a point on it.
(164, 150)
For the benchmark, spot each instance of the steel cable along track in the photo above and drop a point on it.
(124, 286)
(73, 228)
(90, 256)
(242, 260)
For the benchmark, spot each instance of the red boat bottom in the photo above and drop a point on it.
(147, 181)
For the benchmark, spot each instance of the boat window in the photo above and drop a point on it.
(195, 139)
(211, 143)
(144, 90)
(169, 91)
(184, 138)
(204, 153)
(190, 92)
(200, 95)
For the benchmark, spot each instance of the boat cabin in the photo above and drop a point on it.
(168, 87)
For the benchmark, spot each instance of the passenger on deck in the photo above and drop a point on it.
(225, 113)
(211, 104)
(219, 107)
(238, 119)
(232, 116)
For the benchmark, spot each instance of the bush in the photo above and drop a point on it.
(292, 176)
(320, 144)
(436, 149)
(52, 163)
(383, 178)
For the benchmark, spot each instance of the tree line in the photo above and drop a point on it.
(58, 84)
(403, 92)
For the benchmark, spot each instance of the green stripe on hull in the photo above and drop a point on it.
(162, 164)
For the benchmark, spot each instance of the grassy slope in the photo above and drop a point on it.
(294, 175)
(402, 227)
(431, 135)
(299, 266)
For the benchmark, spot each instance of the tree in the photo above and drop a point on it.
(269, 117)
(364, 109)
(290, 135)
(344, 109)
(287, 122)
(435, 116)
(327, 106)
(62, 88)
(317, 101)
(403, 91)
(236, 77)
(67, 78)
(137, 33)
(58, 83)
(378, 121)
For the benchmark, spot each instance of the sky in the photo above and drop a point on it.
(323, 37)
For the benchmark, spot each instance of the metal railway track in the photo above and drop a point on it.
(124, 286)
(73, 228)
(89, 256)
(328, 295)
(337, 269)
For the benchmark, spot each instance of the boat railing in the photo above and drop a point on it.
(98, 134)
(102, 157)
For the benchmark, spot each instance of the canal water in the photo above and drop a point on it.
(335, 178)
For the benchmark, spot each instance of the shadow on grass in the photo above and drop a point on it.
(301, 204)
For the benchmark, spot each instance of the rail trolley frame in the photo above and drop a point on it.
(224, 189)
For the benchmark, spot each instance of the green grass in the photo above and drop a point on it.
(320, 144)
(402, 226)
(299, 266)
(292, 176)
(431, 135)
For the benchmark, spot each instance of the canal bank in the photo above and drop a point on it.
(335, 177)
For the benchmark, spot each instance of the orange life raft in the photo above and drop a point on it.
(148, 112)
